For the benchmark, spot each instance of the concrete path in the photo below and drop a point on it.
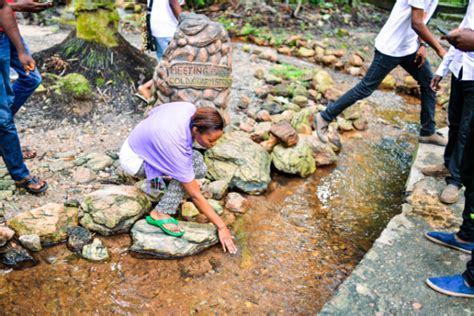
(390, 280)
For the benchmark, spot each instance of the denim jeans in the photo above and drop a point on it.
(381, 66)
(11, 99)
(161, 44)
(467, 172)
(460, 111)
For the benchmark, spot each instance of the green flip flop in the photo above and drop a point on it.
(161, 222)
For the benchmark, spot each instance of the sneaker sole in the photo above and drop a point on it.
(439, 242)
(445, 292)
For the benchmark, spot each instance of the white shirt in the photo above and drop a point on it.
(129, 160)
(397, 38)
(455, 59)
(163, 22)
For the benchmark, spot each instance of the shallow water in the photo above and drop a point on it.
(296, 245)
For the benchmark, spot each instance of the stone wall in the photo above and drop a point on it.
(197, 65)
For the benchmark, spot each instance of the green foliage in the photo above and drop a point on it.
(228, 24)
(76, 85)
(249, 29)
(289, 72)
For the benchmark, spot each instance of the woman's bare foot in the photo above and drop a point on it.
(171, 227)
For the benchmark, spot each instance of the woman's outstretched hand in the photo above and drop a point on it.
(226, 240)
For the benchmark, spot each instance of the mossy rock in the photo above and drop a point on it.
(76, 86)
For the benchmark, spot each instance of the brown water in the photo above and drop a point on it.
(297, 244)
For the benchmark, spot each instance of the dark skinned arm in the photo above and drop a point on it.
(30, 6)
(418, 25)
(8, 23)
(225, 237)
(175, 7)
(461, 39)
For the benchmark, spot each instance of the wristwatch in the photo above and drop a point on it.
(424, 44)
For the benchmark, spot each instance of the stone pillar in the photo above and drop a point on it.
(197, 65)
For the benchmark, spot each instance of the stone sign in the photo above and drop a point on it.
(197, 65)
(199, 75)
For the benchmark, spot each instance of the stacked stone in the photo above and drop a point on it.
(201, 42)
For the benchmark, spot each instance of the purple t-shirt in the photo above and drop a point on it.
(164, 142)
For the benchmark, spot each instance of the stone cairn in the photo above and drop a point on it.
(197, 65)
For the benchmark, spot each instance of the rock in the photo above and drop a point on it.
(218, 189)
(152, 193)
(300, 100)
(322, 152)
(322, 81)
(98, 162)
(96, 251)
(300, 90)
(261, 132)
(353, 112)
(31, 242)
(152, 241)
(259, 73)
(262, 92)
(285, 116)
(5, 195)
(269, 144)
(292, 107)
(237, 159)
(285, 133)
(246, 48)
(356, 61)
(273, 107)
(285, 50)
(83, 175)
(294, 160)
(264, 116)
(305, 52)
(319, 52)
(114, 209)
(189, 210)
(78, 238)
(410, 83)
(344, 125)
(216, 206)
(17, 257)
(301, 121)
(332, 94)
(354, 71)
(245, 101)
(235, 202)
(269, 55)
(272, 79)
(50, 222)
(5, 235)
(282, 89)
(329, 60)
(315, 95)
(388, 83)
(246, 127)
(334, 137)
(361, 124)
(336, 52)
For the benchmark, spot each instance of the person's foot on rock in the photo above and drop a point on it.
(144, 91)
(450, 240)
(321, 127)
(334, 137)
(435, 171)
(453, 285)
(450, 194)
(435, 139)
(171, 227)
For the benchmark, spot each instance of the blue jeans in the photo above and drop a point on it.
(11, 99)
(161, 44)
(381, 66)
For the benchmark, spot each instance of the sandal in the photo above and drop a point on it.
(161, 222)
(27, 182)
(28, 153)
(142, 98)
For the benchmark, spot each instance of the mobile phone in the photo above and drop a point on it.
(442, 30)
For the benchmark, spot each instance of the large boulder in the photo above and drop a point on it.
(242, 162)
(294, 160)
(114, 209)
(323, 154)
(50, 222)
(152, 241)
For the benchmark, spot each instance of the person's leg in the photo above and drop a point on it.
(423, 75)
(25, 85)
(161, 45)
(378, 70)
(9, 142)
(459, 122)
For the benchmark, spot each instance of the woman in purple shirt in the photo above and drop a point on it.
(161, 145)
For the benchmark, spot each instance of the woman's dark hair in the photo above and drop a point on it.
(207, 119)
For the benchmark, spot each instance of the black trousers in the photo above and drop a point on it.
(467, 172)
(460, 111)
